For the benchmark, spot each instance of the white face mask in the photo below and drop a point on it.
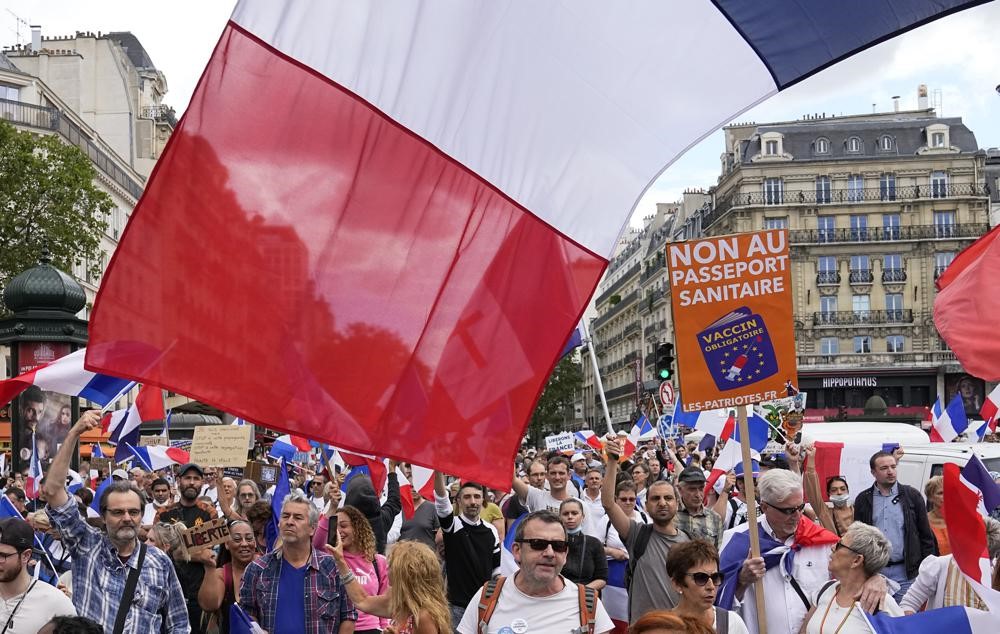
(839, 500)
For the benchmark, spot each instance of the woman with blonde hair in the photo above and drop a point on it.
(934, 492)
(415, 602)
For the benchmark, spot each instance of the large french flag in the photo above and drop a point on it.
(406, 206)
(66, 375)
(848, 460)
(948, 423)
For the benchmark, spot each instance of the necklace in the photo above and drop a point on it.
(10, 619)
(829, 605)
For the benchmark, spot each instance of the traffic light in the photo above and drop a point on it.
(665, 361)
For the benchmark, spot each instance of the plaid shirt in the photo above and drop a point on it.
(99, 579)
(707, 525)
(327, 604)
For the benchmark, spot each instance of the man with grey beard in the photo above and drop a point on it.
(103, 563)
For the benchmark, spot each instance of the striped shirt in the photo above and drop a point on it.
(99, 579)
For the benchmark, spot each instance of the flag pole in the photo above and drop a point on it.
(597, 375)
(750, 496)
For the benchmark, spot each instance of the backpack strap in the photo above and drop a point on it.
(588, 609)
(721, 620)
(378, 575)
(641, 542)
(488, 602)
(735, 506)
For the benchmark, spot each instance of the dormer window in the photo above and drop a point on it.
(854, 145)
(938, 136)
(822, 146)
(937, 139)
(886, 143)
(771, 148)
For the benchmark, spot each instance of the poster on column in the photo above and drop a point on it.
(42, 418)
(731, 298)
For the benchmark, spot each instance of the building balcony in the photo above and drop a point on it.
(854, 318)
(626, 302)
(828, 278)
(887, 234)
(809, 362)
(617, 286)
(861, 276)
(841, 196)
(893, 275)
(632, 329)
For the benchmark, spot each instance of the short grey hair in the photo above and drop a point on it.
(297, 498)
(871, 544)
(993, 537)
(777, 484)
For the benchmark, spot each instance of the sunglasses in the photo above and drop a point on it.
(701, 578)
(791, 510)
(841, 544)
(558, 545)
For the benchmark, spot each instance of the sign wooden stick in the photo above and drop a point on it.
(750, 496)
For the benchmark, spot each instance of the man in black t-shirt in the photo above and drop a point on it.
(190, 512)
(471, 546)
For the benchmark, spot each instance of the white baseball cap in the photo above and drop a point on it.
(577, 456)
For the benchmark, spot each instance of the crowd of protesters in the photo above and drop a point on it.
(592, 542)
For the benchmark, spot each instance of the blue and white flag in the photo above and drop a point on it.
(281, 489)
(948, 423)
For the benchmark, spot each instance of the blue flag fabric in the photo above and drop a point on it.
(239, 621)
(760, 432)
(281, 490)
(953, 619)
(95, 505)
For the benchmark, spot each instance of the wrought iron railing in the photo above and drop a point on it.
(861, 276)
(893, 275)
(854, 318)
(881, 234)
(828, 277)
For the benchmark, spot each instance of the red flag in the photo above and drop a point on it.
(965, 309)
(966, 529)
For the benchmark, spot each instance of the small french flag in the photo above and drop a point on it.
(590, 439)
(949, 423)
(287, 446)
(156, 457)
(66, 375)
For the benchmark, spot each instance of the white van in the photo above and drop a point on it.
(864, 431)
(923, 461)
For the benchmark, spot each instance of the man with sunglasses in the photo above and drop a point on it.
(795, 562)
(899, 512)
(541, 599)
(28, 603)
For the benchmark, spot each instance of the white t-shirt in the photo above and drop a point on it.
(830, 615)
(538, 500)
(736, 624)
(517, 612)
(39, 606)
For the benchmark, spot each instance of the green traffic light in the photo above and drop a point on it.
(664, 374)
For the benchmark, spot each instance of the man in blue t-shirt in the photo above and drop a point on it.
(294, 588)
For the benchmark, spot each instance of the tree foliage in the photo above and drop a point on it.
(48, 198)
(555, 407)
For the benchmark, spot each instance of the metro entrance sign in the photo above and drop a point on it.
(667, 393)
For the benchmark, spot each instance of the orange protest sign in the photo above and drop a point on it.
(732, 312)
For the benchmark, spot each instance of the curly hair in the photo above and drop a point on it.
(417, 585)
(364, 537)
(659, 620)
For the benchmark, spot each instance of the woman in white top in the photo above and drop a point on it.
(860, 553)
(941, 584)
(693, 568)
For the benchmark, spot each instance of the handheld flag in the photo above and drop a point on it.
(966, 529)
(156, 457)
(33, 483)
(285, 447)
(124, 429)
(66, 375)
(989, 412)
(455, 338)
(949, 423)
(281, 489)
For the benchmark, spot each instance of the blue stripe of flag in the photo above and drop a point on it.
(103, 388)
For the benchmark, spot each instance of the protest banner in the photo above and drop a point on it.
(149, 441)
(559, 442)
(236, 473)
(732, 310)
(220, 445)
(206, 535)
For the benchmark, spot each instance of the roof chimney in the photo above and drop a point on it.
(895, 103)
(36, 38)
(922, 96)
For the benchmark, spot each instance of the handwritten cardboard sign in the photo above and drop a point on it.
(206, 535)
(220, 445)
(149, 441)
(732, 310)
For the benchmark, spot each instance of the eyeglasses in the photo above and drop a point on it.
(841, 544)
(558, 545)
(791, 510)
(4, 556)
(701, 578)
(121, 512)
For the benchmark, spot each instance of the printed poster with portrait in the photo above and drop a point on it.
(971, 389)
(42, 419)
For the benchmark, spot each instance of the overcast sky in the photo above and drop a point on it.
(957, 56)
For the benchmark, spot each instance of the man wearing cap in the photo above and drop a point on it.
(119, 475)
(693, 517)
(190, 512)
(104, 561)
(28, 603)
